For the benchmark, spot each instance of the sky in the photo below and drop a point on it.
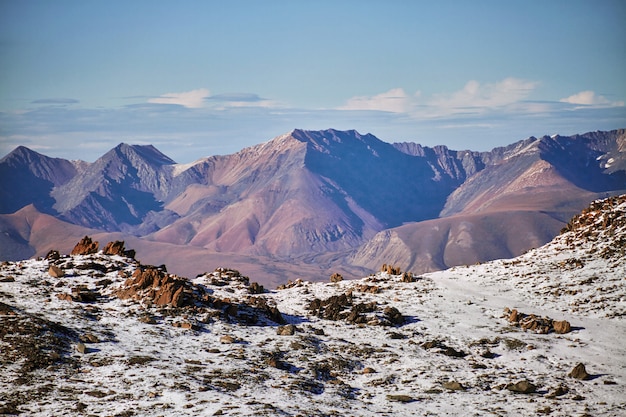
(201, 78)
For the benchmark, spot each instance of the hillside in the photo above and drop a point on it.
(542, 334)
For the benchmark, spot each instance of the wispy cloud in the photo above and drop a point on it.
(191, 99)
(590, 98)
(475, 95)
(55, 101)
(473, 98)
(224, 101)
(395, 100)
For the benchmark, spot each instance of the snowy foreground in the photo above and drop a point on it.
(94, 342)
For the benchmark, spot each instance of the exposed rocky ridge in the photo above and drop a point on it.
(220, 348)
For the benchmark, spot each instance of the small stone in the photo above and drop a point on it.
(579, 372)
(453, 386)
(368, 370)
(148, 319)
(65, 297)
(7, 279)
(89, 338)
(227, 339)
(401, 398)
(55, 272)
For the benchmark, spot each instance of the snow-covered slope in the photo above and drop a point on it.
(112, 337)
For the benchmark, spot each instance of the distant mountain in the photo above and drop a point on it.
(28, 177)
(333, 198)
(520, 199)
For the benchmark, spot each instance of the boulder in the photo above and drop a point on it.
(561, 327)
(579, 372)
(336, 277)
(453, 386)
(393, 315)
(55, 272)
(288, 330)
(522, 387)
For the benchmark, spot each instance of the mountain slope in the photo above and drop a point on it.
(28, 177)
(304, 193)
(519, 200)
(120, 188)
(540, 334)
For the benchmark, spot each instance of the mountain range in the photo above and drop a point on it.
(308, 203)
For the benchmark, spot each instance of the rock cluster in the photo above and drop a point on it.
(343, 307)
(531, 322)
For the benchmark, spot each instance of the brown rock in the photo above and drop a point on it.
(227, 339)
(89, 338)
(85, 247)
(393, 315)
(65, 297)
(336, 277)
(55, 272)
(53, 255)
(368, 370)
(522, 387)
(561, 327)
(288, 330)
(81, 348)
(513, 317)
(401, 398)
(256, 288)
(114, 248)
(154, 284)
(579, 372)
(453, 386)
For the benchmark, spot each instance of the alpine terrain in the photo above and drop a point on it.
(97, 332)
(310, 203)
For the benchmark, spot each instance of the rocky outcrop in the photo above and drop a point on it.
(343, 307)
(155, 285)
(85, 247)
(117, 248)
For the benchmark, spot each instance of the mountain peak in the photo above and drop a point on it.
(146, 152)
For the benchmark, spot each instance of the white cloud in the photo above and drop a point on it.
(473, 98)
(395, 100)
(191, 99)
(483, 96)
(590, 98)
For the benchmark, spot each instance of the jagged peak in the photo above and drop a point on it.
(24, 154)
(147, 153)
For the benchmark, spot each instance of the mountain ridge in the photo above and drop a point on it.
(322, 196)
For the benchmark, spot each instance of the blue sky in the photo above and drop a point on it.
(198, 78)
